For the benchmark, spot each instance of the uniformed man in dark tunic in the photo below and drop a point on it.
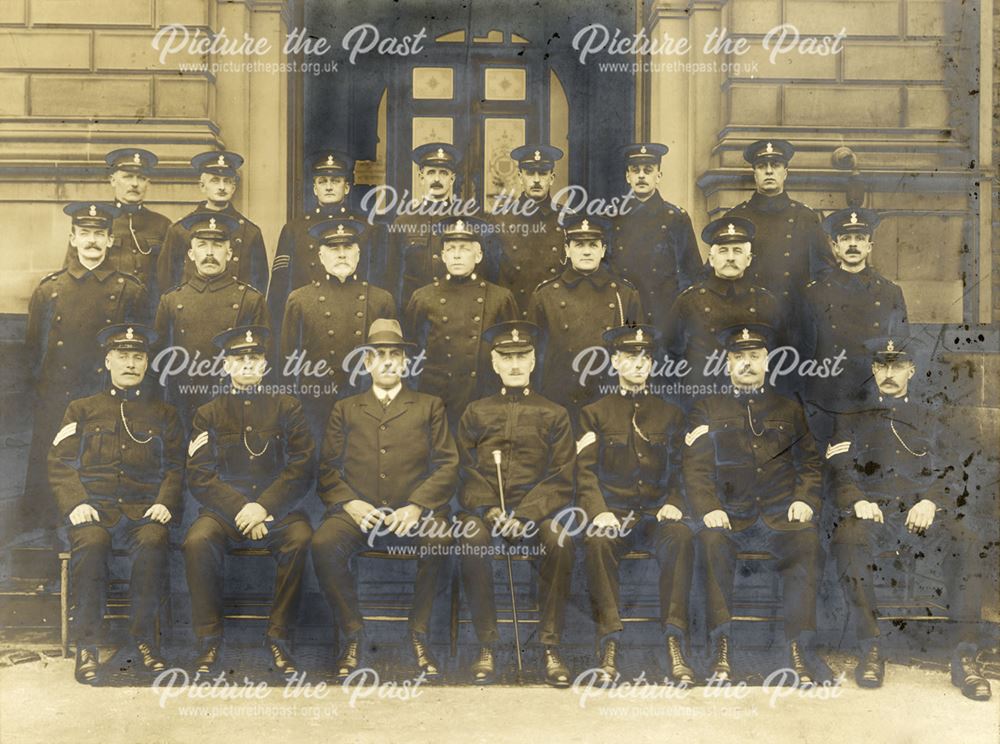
(652, 241)
(116, 467)
(790, 247)
(573, 310)
(191, 315)
(414, 252)
(65, 312)
(529, 248)
(297, 262)
(535, 440)
(447, 319)
(752, 477)
(326, 320)
(719, 300)
(387, 470)
(628, 475)
(850, 303)
(218, 177)
(250, 462)
(891, 466)
(138, 232)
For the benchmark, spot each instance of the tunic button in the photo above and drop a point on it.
(791, 219)
(611, 305)
(787, 254)
(708, 309)
(877, 304)
(787, 274)
(357, 333)
(326, 314)
(359, 314)
(444, 318)
(322, 298)
(59, 343)
(236, 306)
(382, 450)
(447, 338)
(246, 403)
(180, 307)
(562, 304)
(236, 258)
(444, 300)
(565, 328)
(59, 317)
(475, 319)
(249, 428)
(382, 427)
(516, 268)
(479, 300)
(753, 309)
(329, 333)
(312, 264)
(123, 446)
(472, 373)
(788, 235)
(111, 297)
(55, 294)
(875, 324)
(361, 297)
(382, 476)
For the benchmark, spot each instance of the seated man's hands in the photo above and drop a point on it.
(364, 514)
(717, 518)
(504, 524)
(158, 513)
(868, 510)
(403, 519)
(800, 511)
(84, 514)
(258, 531)
(668, 512)
(607, 524)
(921, 516)
(251, 515)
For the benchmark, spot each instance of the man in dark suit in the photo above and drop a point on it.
(387, 471)
(116, 468)
(752, 477)
(250, 461)
(890, 466)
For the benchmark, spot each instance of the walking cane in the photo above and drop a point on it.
(510, 571)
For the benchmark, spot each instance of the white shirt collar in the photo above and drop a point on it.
(383, 394)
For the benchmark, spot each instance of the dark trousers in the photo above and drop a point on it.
(204, 562)
(554, 567)
(798, 553)
(339, 538)
(90, 546)
(672, 544)
(947, 549)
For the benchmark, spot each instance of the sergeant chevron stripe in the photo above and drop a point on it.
(67, 431)
(837, 449)
(585, 441)
(197, 443)
(692, 436)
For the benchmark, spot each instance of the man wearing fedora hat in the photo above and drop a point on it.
(847, 304)
(250, 462)
(447, 318)
(65, 313)
(535, 440)
(218, 177)
(413, 259)
(574, 308)
(628, 474)
(116, 467)
(529, 239)
(190, 316)
(297, 260)
(137, 231)
(790, 247)
(326, 319)
(652, 241)
(752, 478)
(907, 500)
(388, 463)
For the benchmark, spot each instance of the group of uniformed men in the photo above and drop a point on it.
(438, 407)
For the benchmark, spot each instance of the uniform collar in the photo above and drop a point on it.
(229, 209)
(461, 279)
(332, 210)
(763, 203)
(245, 393)
(893, 402)
(865, 277)
(633, 394)
(653, 202)
(101, 272)
(543, 206)
(746, 394)
(727, 287)
(132, 393)
(335, 280)
(128, 208)
(515, 394)
(212, 284)
(599, 278)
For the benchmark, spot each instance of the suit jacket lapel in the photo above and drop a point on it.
(398, 407)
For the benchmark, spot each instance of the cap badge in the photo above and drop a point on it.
(642, 150)
(746, 334)
(93, 210)
(137, 159)
(130, 333)
(638, 335)
(770, 148)
(249, 337)
(211, 223)
(440, 152)
(854, 218)
(340, 229)
(730, 229)
(890, 346)
(538, 155)
(515, 336)
(329, 160)
(221, 162)
(585, 225)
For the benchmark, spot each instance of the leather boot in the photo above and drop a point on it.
(87, 664)
(721, 671)
(678, 670)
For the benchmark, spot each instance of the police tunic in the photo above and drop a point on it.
(529, 249)
(573, 310)
(653, 245)
(190, 316)
(65, 313)
(296, 261)
(843, 310)
(789, 245)
(706, 308)
(629, 455)
(248, 264)
(327, 319)
(414, 256)
(447, 319)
